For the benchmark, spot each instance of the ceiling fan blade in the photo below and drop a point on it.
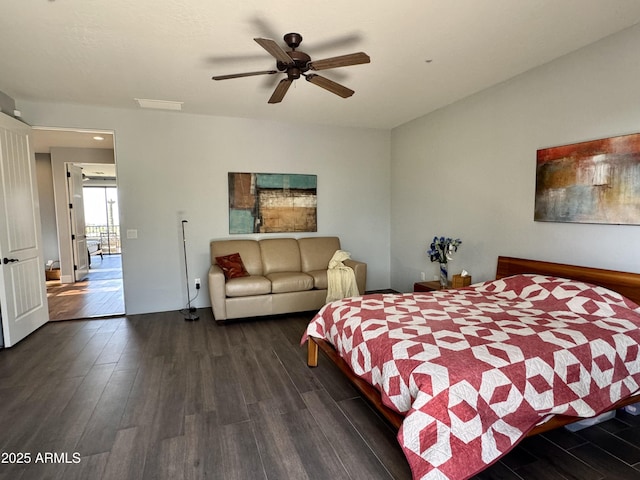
(275, 50)
(341, 61)
(239, 75)
(330, 85)
(280, 91)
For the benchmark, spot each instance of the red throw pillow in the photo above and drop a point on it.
(232, 266)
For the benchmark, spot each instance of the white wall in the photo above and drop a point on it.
(468, 170)
(173, 166)
(47, 207)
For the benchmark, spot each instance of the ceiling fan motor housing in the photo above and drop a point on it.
(300, 64)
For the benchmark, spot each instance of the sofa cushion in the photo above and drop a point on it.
(319, 278)
(232, 266)
(283, 282)
(280, 255)
(315, 252)
(249, 251)
(247, 286)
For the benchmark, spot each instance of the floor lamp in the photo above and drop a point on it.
(189, 314)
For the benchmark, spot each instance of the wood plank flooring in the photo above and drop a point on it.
(99, 295)
(154, 397)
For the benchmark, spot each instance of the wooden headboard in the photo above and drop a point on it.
(625, 283)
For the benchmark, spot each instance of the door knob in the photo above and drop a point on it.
(6, 260)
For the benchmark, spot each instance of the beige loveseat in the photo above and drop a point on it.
(284, 275)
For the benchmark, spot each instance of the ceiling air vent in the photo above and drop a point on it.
(159, 104)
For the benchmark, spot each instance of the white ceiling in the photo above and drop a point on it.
(43, 139)
(111, 52)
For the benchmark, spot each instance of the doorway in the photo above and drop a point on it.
(99, 291)
(102, 220)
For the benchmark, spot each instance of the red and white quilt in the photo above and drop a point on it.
(474, 369)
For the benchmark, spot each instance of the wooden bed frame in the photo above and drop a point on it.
(627, 284)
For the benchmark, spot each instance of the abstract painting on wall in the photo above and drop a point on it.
(590, 182)
(272, 203)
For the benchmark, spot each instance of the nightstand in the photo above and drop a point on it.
(427, 286)
(458, 282)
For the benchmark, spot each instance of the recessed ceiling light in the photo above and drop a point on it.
(99, 138)
(159, 104)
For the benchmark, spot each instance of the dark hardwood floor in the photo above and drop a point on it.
(152, 397)
(99, 295)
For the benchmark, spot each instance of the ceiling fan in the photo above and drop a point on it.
(296, 63)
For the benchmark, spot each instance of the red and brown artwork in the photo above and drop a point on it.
(590, 182)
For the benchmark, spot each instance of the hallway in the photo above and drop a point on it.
(99, 295)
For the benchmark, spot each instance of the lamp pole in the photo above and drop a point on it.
(190, 314)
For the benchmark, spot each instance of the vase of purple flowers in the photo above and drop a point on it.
(441, 250)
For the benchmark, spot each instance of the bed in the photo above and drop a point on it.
(465, 374)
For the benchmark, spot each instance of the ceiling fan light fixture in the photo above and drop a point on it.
(293, 73)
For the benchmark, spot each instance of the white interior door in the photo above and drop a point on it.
(23, 293)
(76, 210)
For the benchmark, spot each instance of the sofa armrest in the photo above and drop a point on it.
(217, 292)
(360, 269)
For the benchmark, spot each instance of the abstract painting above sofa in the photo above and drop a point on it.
(272, 203)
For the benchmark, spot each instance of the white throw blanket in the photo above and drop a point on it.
(340, 278)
